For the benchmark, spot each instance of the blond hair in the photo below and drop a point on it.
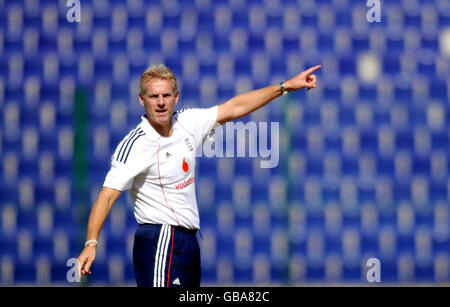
(160, 71)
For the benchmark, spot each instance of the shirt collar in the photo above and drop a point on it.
(150, 131)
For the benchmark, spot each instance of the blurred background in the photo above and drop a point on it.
(364, 158)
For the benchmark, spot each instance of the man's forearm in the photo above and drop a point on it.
(100, 211)
(251, 101)
(246, 103)
(97, 218)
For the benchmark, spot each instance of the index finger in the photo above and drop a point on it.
(313, 69)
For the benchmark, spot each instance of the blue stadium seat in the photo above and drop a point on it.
(9, 246)
(315, 253)
(206, 195)
(394, 41)
(243, 254)
(26, 192)
(223, 17)
(426, 62)
(225, 221)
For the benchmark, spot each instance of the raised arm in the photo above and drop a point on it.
(244, 104)
(100, 210)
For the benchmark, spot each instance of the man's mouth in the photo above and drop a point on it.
(161, 111)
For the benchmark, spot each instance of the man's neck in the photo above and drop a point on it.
(164, 131)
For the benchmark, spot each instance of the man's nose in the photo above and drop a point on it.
(160, 101)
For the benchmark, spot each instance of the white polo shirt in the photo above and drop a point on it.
(159, 172)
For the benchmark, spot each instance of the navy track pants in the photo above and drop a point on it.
(166, 256)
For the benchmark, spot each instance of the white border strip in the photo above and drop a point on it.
(161, 256)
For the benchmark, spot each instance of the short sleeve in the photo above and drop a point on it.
(199, 122)
(128, 161)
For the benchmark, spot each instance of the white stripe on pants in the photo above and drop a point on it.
(161, 256)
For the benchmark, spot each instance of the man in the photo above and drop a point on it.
(156, 163)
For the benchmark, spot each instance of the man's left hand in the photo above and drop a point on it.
(304, 79)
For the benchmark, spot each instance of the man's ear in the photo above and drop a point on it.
(141, 100)
(176, 97)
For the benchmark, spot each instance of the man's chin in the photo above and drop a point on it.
(162, 120)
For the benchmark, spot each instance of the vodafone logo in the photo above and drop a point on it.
(186, 166)
(185, 183)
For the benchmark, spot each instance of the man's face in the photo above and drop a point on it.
(159, 101)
